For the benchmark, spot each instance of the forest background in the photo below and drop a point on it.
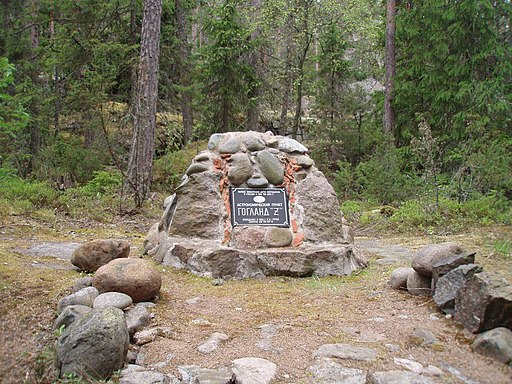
(310, 69)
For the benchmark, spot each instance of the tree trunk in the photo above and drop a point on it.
(389, 114)
(143, 141)
(186, 94)
(253, 112)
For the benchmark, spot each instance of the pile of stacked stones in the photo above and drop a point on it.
(481, 301)
(97, 321)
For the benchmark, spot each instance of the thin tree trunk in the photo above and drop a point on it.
(253, 113)
(186, 94)
(389, 114)
(143, 141)
(287, 76)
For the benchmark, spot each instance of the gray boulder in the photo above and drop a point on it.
(448, 286)
(69, 315)
(112, 299)
(398, 278)
(95, 345)
(399, 377)
(424, 260)
(329, 371)
(240, 169)
(95, 253)
(253, 370)
(85, 296)
(270, 167)
(484, 303)
(419, 285)
(496, 344)
(137, 278)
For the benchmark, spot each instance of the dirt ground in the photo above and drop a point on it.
(359, 310)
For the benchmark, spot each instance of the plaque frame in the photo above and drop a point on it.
(273, 199)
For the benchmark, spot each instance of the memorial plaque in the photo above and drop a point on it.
(267, 206)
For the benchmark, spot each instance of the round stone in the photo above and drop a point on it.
(253, 142)
(240, 169)
(95, 253)
(138, 278)
(112, 299)
(257, 182)
(418, 285)
(398, 278)
(230, 144)
(271, 167)
(278, 237)
(214, 141)
(305, 161)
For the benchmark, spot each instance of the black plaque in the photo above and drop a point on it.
(267, 206)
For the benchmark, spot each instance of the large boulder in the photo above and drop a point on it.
(484, 303)
(95, 345)
(447, 287)
(424, 260)
(96, 253)
(137, 278)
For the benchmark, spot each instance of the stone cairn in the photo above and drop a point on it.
(197, 233)
(481, 301)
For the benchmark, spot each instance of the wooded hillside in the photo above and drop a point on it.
(70, 90)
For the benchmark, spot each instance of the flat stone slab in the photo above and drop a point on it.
(54, 249)
(388, 253)
(346, 351)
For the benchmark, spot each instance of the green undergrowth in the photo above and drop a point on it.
(101, 199)
(425, 216)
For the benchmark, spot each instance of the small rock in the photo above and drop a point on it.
(229, 144)
(196, 168)
(214, 141)
(253, 370)
(399, 377)
(240, 169)
(328, 371)
(377, 320)
(69, 315)
(201, 322)
(398, 278)
(82, 283)
(112, 299)
(148, 335)
(346, 351)
(278, 237)
(496, 344)
(253, 142)
(447, 264)
(196, 375)
(137, 318)
(392, 347)
(432, 370)
(419, 285)
(291, 146)
(257, 182)
(424, 337)
(143, 376)
(84, 296)
(305, 161)
(192, 301)
(410, 365)
(212, 343)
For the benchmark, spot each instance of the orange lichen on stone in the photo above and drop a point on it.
(295, 226)
(227, 236)
(217, 163)
(298, 239)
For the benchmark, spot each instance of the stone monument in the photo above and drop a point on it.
(253, 205)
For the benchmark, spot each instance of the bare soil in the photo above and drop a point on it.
(359, 310)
